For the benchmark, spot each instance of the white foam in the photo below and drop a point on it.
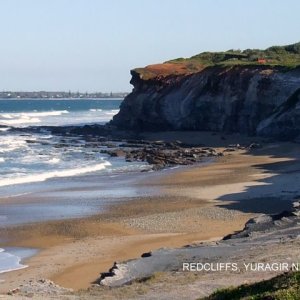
(46, 137)
(46, 113)
(4, 129)
(6, 116)
(2, 160)
(95, 109)
(53, 174)
(10, 143)
(57, 118)
(54, 160)
(112, 112)
(20, 120)
(9, 262)
(28, 118)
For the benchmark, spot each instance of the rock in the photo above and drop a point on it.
(161, 154)
(146, 254)
(13, 292)
(296, 207)
(270, 236)
(40, 288)
(31, 141)
(260, 219)
(102, 139)
(109, 145)
(229, 150)
(129, 157)
(131, 145)
(253, 100)
(254, 146)
(116, 153)
(155, 161)
(284, 123)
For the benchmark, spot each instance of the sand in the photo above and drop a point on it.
(75, 257)
(195, 204)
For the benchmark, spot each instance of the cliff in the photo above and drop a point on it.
(224, 92)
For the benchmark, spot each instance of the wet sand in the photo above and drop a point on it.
(195, 204)
(74, 252)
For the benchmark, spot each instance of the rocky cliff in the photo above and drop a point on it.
(250, 98)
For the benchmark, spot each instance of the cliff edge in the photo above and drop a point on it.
(253, 92)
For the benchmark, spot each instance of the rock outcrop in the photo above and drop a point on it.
(252, 99)
(160, 154)
(261, 235)
(284, 123)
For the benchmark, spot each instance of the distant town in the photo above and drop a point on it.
(59, 95)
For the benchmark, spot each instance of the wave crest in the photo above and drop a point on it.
(28, 117)
(53, 174)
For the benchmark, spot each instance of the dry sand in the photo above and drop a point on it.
(193, 206)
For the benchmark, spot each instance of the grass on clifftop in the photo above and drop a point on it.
(276, 55)
(284, 56)
(282, 287)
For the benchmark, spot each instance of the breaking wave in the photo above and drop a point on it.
(9, 262)
(52, 174)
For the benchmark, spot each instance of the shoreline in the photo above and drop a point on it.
(194, 205)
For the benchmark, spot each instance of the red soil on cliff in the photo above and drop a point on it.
(167, 69)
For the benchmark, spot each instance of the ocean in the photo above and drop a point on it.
(23, 113)
(37, 162)
(32, 157)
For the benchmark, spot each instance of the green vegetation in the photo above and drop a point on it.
(282, 287)
(288, 56)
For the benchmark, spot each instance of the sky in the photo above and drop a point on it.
(91, 45)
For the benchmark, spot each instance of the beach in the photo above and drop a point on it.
(150, 151)
(194, 204)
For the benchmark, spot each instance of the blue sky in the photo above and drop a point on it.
(90, 45)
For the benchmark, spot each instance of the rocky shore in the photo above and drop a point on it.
(161, 154)
(133, 147)
(260, 231)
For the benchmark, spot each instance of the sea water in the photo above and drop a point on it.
(30, 157)
(10, 258)
(33, 157)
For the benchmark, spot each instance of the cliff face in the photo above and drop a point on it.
(284, 123)
(249, 99)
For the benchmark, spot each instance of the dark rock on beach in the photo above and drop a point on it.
(161, 154)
